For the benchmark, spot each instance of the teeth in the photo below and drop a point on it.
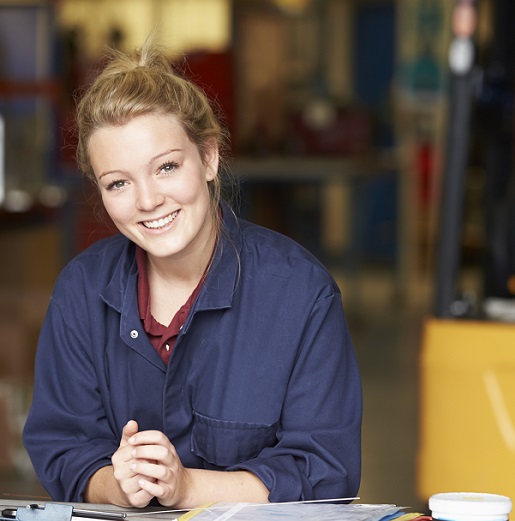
(160, 222)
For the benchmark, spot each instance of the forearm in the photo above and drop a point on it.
(203, 486)
(206, 486)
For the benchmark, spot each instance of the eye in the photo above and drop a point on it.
(116, 185)
(168, 167)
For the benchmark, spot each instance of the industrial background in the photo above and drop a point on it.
(346, 121)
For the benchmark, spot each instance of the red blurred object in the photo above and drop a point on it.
(424, 167)
(214, 73)
(348, 132)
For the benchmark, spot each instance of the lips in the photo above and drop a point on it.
(160, 223)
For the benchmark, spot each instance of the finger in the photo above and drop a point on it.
(154, 489)
(130, 486)
(154, 453)
(122, 455)
(129, 430)
(141, 498)
(152, 471)
(122, 471)
(148, 438)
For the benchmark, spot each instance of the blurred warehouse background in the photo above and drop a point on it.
(338, 110)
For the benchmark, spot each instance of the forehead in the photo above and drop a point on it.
(141, 135)
(137, 142)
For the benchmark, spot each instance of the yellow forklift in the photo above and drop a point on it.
(467, 360)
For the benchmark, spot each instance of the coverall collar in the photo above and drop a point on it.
(219, 287)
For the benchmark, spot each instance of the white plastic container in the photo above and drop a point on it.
(469, 506)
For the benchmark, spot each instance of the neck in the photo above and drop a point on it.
(183, 269)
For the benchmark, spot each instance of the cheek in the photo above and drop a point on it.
(116, 210)
(190, 190)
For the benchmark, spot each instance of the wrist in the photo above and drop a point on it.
(186, 494)
(103, 488)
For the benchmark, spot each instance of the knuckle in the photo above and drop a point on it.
(163, 452)
(163, 473)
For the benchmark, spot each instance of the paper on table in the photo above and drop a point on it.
(298, 511)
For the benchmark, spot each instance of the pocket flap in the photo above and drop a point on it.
(225, 443)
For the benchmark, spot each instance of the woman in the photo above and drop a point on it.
(193, 357)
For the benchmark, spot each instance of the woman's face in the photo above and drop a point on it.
(154, 185)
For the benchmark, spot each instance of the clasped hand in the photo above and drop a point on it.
(146, 465)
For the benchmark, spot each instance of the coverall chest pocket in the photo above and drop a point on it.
(225, 443)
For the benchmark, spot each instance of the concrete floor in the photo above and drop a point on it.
(386, 335)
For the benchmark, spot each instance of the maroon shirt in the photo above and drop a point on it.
(161, 336)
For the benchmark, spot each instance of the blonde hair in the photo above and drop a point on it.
(145, 82)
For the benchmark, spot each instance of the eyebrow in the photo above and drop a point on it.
(149, 163)
(165, 153)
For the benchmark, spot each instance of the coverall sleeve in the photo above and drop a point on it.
(66, 434)
(318, 450)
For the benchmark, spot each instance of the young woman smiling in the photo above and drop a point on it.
(194, 356)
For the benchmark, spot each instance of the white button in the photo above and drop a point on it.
(167, 347)
(134, 334)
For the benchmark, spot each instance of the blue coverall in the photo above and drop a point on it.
(263, 375)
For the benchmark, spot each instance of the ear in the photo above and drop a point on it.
(211, 161)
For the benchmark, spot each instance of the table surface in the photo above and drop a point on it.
(270, 511)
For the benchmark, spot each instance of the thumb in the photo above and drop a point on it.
(130, 429)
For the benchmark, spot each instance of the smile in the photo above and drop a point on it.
(160, 223)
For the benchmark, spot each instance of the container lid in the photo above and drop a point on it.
(469, 505)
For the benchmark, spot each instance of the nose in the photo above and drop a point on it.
(148, 196)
